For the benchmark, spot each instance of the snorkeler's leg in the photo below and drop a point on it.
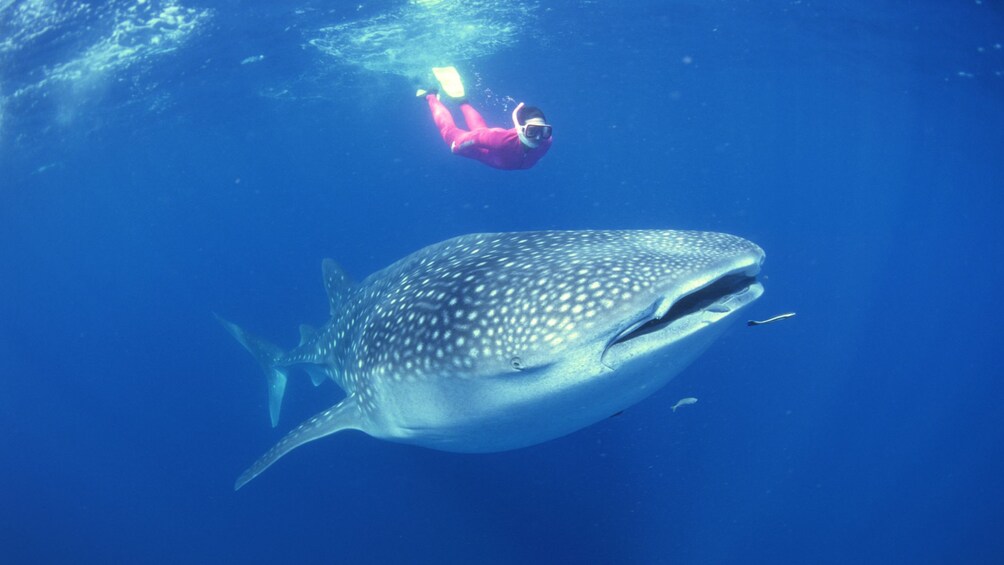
(472, 117)
(444, 120)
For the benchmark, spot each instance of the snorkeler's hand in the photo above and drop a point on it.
(454, 147)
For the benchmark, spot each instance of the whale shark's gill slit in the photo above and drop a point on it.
(694, 302)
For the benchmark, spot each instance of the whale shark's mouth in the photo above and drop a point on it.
(722, 296)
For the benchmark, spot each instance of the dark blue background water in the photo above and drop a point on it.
(861, 146)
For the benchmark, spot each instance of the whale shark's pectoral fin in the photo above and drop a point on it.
(343, 416)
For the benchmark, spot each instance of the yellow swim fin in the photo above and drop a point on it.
(449, 79)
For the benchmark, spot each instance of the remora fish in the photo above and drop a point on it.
(489, 342)
(684, 402)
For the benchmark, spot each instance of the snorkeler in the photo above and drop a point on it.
(519, 147)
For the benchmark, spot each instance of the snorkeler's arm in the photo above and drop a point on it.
(484, 140)
(467, 148)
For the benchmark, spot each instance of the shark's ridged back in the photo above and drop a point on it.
(472, 304)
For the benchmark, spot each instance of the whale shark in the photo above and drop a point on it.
(495, 341)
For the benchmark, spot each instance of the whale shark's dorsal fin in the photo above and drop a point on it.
(337, 283)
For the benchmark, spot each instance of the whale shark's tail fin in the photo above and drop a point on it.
(266, 354)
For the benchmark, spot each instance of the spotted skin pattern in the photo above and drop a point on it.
(486, 306)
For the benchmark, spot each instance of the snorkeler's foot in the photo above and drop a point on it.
(451, 82)
(423, 92)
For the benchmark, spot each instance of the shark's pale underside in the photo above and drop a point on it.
(495, 341)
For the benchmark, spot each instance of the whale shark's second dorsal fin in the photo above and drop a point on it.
(307, 334)
(337, 283)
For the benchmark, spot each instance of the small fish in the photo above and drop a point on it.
(684, 402)
(770, 320)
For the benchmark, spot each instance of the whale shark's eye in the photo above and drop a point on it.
(517, 363)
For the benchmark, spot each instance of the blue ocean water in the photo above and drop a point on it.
(162, 160)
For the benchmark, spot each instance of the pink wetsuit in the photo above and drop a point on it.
(495, 147)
